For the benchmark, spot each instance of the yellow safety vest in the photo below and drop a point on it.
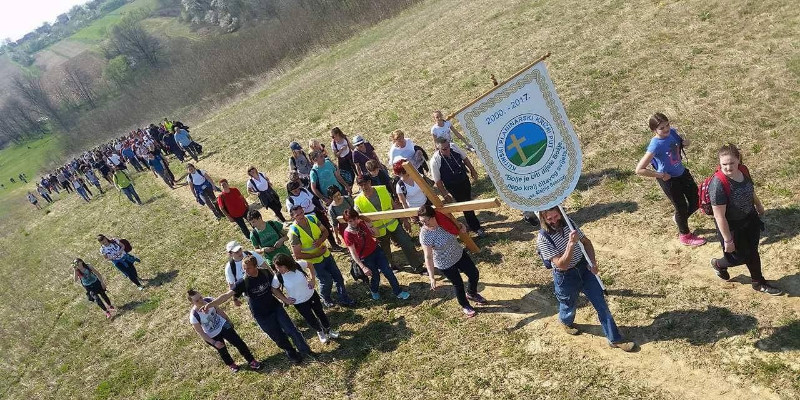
(307, 242)
(366, 206)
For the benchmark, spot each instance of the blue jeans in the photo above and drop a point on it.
(279, 327)
(82, 192)
(131, 193)
(569, 283)
(328, 273)
(125, 265)
(377, 261)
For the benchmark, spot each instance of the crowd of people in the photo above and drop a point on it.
(290, 261)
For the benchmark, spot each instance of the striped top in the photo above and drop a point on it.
(560, 238)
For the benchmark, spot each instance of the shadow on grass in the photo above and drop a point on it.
(790, 285)
(781, 224)
(631, 293)
(599, 211)
(595, 178)
(207, 154)
(537, 304)
(128, 307)
(697, 327)
(162, 278)
(784, 338)
(155, 198)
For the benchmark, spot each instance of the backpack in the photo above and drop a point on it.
(547, 263)
(125, 244)
(704, 197)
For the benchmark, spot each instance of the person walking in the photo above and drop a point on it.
(324, 174)
(114, 251)
(375, 199)
(267, 236)
(200, 183)
(299, 162)
(737, 211)
(444, 129)
(214, 326)
(234, 267)
(339, 204)
(403, 147)
(76, 183)
(307, 237)
(43, 192)
(259, 185)
(34, 201)
(174, 147)
(124, 184)
(664, 154)
(159, 169)
(439, 239)
(344, 154)
(233, 205)
(266, 310)
(300, 196)
(186, 143)
(449, 167)
(359, 237)
(572, 274)
(298, 279)
(94, 284)
(92, 178)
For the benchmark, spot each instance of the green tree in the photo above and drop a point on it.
(118, 71)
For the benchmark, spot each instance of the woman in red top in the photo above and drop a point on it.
(359, 237)
(233, 205)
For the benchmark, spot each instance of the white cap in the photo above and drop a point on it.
(357, 140)
(233, 246)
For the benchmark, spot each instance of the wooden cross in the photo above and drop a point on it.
(515, 143)
(446, 209)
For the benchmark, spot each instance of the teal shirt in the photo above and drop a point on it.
(324, 177)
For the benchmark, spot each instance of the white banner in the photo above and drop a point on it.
(522, 135)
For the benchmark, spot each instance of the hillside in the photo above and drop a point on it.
(718, 75)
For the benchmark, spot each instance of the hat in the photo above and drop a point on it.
(233, 246)
(357, 140)
(295, 146)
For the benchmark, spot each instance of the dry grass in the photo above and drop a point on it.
(721, 76)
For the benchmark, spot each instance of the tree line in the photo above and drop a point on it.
(145, 77)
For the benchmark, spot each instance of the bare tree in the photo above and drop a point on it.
(80, 83)
(131, 40)
(31, 89)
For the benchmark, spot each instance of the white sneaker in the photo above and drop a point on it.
(323, 338)
(333, 334)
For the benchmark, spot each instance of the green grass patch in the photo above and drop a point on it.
(98, 30)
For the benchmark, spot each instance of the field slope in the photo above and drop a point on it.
(719, 74)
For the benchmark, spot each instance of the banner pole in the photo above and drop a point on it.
(583, 250)
(516, 74)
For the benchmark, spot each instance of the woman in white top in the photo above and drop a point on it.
(443, 128)
(259, 185)
(214, 327)
(343, 149)
(298, 280)
(404, 148)
(409, 193)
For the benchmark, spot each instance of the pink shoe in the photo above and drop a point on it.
(108, 315)
(690, 239)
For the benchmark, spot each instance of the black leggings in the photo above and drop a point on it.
(682, 192)
(312, 312)
(229, 334)
(268, 202)
(97, 292)
(467, 266)
(746, 234)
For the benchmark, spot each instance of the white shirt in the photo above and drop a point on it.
(238, 273)
(415, 197)
(406, 152)
(296, 284)
(115, 159)
(436, 161)
(210, 321)
(341, 146)
(442, 131)
(196, 178)
(261, 183)
(305, 199)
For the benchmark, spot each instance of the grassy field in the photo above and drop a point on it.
(724, 71)
(96, 32)
(27, 158)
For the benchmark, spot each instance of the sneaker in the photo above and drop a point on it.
(689, 239)
(375, 295)
(477, 298)
(403, 295)
(323, 338)
(112, 308)
(469, 312)
(624, 346)
(571, 329)
(675, 219)
(764, 287)
(255, 365)
(327, 303)
(108, 315)
(394, 267)
(234, 368)
(333, 334)
(480, 233)
(141, 288)
(721, 272)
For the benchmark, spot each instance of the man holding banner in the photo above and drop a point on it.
(532, 155)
